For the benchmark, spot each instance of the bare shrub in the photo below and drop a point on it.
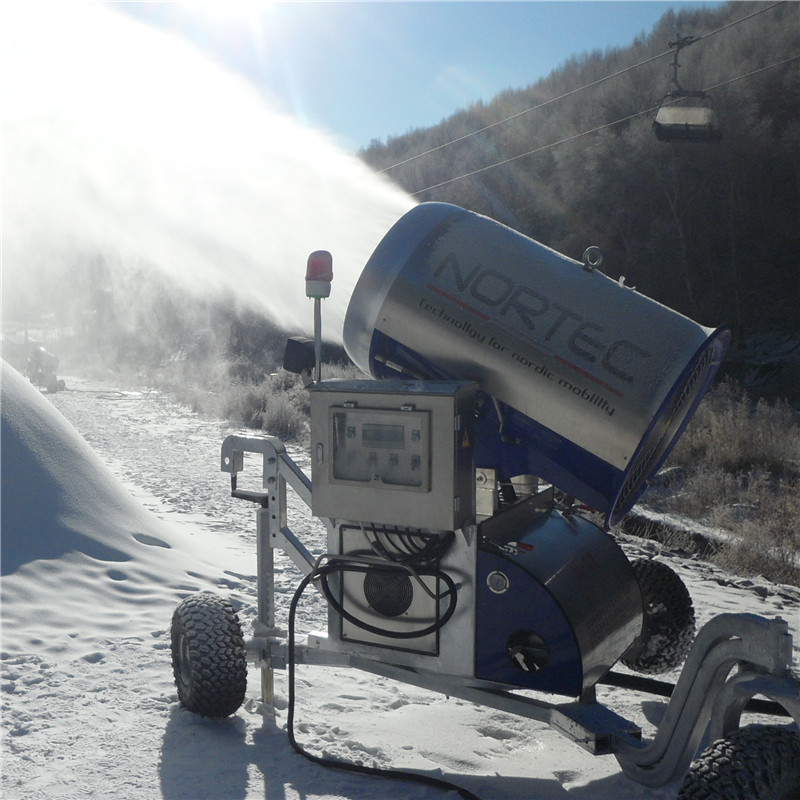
(731, 433)
(278, 404)
(704, 489)
(765, 530)
(281, 417)
(242, 403)
(740, 464)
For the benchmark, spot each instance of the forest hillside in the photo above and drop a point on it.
(113, 277)
(711, 229)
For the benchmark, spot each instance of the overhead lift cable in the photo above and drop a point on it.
(593, 130)
(526, 111)
(572, 92)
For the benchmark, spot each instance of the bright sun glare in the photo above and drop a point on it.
(125, 143)
(243, 16)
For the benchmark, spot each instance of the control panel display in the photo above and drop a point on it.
(385, 447)
(390, 436)
(394, 452)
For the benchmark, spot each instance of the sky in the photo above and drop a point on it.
(374, 70)
(112, 125)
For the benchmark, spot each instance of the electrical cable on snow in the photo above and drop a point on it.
(440, 783)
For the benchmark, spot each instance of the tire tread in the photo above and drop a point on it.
(217, 655)
(758, 762)
(668, 624)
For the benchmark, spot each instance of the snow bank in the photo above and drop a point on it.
(80, 555)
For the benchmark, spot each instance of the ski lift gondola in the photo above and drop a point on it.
(686, 114)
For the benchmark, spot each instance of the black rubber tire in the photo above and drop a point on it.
(667, 624)
(759, 762)
(209, 660)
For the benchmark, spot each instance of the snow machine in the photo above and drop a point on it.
(42, 368)
(513, 389)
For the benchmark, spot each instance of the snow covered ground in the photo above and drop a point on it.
(110, 519)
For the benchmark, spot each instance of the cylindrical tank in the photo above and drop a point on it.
(557, 601)
(601, 379)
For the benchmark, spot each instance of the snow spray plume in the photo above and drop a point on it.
(127, 153)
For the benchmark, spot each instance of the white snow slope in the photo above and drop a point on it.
(103, 535)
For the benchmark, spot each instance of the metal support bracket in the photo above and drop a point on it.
(272, 532)
(754, 644)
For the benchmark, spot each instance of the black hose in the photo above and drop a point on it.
(416, 634)
(429, 780)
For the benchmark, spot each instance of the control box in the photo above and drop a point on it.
(394, 452)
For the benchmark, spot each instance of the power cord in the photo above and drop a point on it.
(408, 547)
(365, 565)
(322, 573)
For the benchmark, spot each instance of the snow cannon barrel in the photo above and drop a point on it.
(594, 382)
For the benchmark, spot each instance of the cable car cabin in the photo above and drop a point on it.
(689, 117)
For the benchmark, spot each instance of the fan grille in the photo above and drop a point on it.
(388, 592)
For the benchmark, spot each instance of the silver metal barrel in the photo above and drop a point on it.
(607, 377)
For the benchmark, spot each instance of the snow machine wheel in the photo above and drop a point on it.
(667, 622)
(208, 656)
(759, 762)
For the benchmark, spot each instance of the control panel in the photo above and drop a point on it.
(393, 452)
(391, 448)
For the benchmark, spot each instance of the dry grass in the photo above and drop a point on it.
(731, 433)
(278, 404)
(740, 462)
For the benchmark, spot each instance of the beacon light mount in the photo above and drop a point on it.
(319, 274)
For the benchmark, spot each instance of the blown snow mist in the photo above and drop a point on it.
(125, 145)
